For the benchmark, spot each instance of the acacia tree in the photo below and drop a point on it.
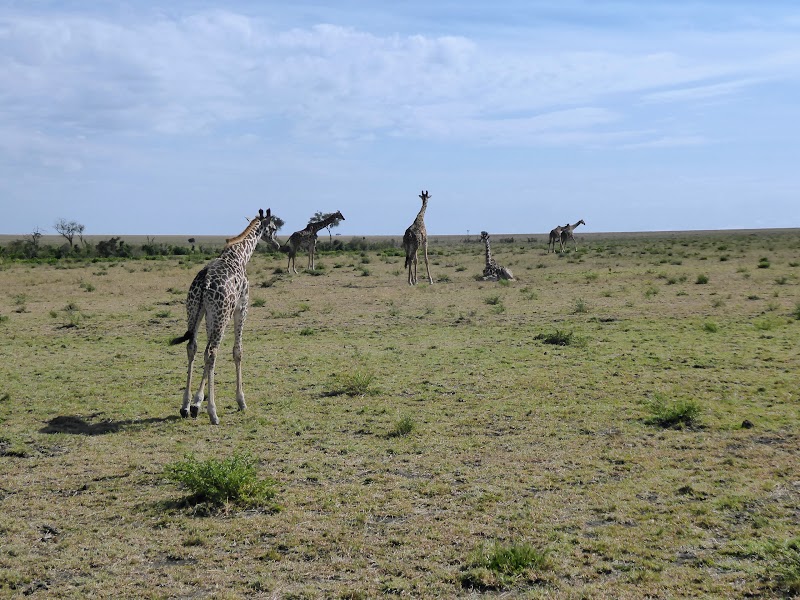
(320, 216)
(69, 229)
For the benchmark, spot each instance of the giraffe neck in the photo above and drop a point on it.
(488, 252)
(315, 227)
(421, 214)
(240, 252)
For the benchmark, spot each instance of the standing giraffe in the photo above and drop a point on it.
(415, 236)
(306, 239)
(566, 234)
(555, 236)
(493, 271)
(221, 291)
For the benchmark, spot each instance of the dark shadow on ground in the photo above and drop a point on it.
(78, 425)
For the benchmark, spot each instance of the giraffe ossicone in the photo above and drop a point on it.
(218, 292)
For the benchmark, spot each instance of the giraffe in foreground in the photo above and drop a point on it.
(415, 236)
(306, 239)
(221, 291)
(555, 236)
(493, 271)
(566, 234)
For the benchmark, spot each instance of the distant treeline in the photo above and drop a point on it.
(33, 249)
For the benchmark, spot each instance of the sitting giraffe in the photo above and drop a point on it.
(415, 236)
(555, 236)
(306, 239)
(566, 234)
(493, 271)
(218, 292)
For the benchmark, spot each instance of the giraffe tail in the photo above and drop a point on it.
(183, 338)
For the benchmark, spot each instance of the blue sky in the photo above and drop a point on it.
(184, 117)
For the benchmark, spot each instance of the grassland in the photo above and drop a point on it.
(415, 435)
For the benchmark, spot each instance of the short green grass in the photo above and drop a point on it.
(571, 434)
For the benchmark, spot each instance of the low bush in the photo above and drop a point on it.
(221, 482)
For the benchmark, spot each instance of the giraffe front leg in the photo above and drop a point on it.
(427, 266)
(238, 323)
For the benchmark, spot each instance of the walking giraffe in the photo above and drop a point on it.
(415, 236)
(555, 236)
(566, 234)
(306, 239)
(493, 271)
(218, 292)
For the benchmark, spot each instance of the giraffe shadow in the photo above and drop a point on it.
(77, 425)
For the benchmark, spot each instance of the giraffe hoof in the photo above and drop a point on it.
(195, 410)
(184, 413)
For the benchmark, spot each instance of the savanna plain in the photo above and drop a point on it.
(620, 421)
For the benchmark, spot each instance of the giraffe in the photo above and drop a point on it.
(307, 239)
(218, 292)
(566, 234)
(493, 271)
(415, 236)
(555, 236)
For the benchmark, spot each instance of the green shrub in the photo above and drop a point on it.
(498, 566)
(403, 427)
(220, 482)
(710, 326)
(580, 306)
(258, 302)
(675, 414)
(786, 571)
(354, 383)
(492, 300)
(702, 279)
(558, 338)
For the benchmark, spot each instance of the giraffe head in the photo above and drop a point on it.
(424, 196)
(269, 228)
(484, 236)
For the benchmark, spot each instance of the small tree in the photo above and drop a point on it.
(69, 229)
(321, 216)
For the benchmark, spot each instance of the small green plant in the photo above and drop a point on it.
(676, 414)
(163, 314)
(354, 383)
(650, 292)
(782, 280)
(403, 427)
(763, 263)
(307, 331)
(710, 326)
(221, 482)
(259, 302)
(444, 278)
(702, 279)
(4, 318)
(786, 571)
(492, 300)
(499, 566)
(580, 306)
(796, 311)
(558, 338)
